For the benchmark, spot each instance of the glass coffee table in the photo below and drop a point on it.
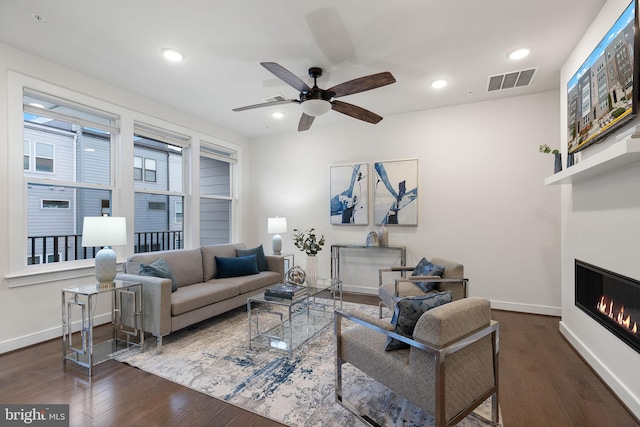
(285, 324)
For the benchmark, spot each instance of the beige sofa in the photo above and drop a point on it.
(199, 295)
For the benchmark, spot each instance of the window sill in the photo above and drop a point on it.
(43, 277)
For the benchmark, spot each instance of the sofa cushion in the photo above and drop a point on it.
(259, 253)
(236, 266)
(188, 298)
(159, 268)
(185, 264)
(427, 268)
(251, 283)
(408, 311)
(208, 254)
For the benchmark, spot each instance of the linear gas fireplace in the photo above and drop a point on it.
(611, 299)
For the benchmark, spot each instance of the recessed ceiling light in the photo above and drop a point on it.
(439, 83)
(519, 53)
(277, 114)
(172, 55)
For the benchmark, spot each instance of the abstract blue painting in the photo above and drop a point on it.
(396, 192)
(349, 194)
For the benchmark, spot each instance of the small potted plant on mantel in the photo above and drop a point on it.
(544, 148)
(308, 242)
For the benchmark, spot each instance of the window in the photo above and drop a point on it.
(137, 168)
(159, 163)
(44, 157)
(55, 204)
(216, 190)
(67, 171)
(150, 170)
(27, 155)
(178, 212)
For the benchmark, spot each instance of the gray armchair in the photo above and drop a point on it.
(450, 368)
(404, 286)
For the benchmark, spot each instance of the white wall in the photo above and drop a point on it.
(31, 314)
(481, 195)
(600, 226)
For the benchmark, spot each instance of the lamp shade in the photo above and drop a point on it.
(315, 107)
(277, 225)
(104, 231)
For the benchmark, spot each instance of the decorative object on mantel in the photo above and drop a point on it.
(372, 239)
(308, 242)
(383, 236)
(544, 148)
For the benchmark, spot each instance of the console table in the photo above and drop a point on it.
(126, 317)
(336, 274)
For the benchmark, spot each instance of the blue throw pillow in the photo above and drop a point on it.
(236, 266)
(259, 253)
(159, 268)
(407, 312)
(426, 268)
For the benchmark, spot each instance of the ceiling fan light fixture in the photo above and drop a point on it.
(315, 107)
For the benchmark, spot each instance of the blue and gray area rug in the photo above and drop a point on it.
(213, 357)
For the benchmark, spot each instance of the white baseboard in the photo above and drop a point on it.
(46, 335)
(631, 401)
(527, 308)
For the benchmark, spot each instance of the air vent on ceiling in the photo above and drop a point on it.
(275, 98)
(511, 80)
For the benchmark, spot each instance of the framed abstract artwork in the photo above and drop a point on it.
(349, 194)
(396, 192)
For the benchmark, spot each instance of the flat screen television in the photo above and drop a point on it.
(603, 94)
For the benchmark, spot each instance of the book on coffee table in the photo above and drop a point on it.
(285, 291)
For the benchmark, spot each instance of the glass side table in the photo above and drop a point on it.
(126, 318)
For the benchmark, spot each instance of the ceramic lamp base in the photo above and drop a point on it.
(277, 244)
(106, 265)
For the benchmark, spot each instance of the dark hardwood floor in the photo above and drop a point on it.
(543, 382)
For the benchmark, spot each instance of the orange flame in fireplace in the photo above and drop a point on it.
(608, 310)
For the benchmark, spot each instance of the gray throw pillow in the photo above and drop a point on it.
(427, 268)
(259, 253)
(159, 268)
(407, 312)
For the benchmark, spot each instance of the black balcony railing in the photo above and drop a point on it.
(49, 249)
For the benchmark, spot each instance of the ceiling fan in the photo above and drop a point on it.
(316, 102)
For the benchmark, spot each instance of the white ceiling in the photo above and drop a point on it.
(464, 41)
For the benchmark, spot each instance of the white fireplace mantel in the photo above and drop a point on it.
(623, 153)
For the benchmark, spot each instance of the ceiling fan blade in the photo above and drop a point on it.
(266, 104)
(362, 84)
(286, 76)
(355, 112)
(305, 122)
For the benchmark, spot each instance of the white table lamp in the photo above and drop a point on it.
(277, 225)
(104, 231)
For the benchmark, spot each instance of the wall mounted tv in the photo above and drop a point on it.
(603, 94)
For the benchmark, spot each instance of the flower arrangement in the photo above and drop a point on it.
(544, 148)
(307, 241)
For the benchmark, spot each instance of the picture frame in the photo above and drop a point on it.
(349, 194)
(396, 192)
